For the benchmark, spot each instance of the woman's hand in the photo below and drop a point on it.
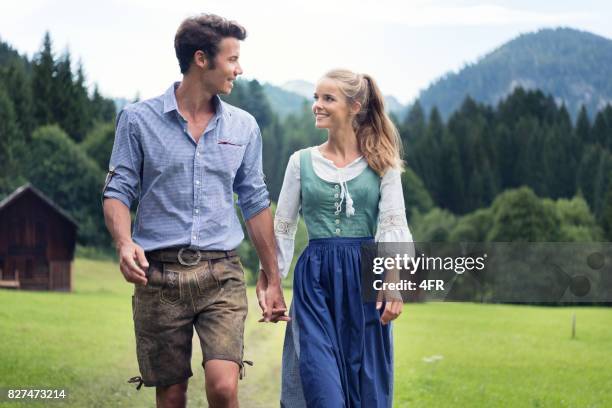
(392, 310)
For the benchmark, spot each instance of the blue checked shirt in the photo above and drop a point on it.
(185, 190)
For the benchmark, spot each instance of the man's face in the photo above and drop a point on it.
(221, 78)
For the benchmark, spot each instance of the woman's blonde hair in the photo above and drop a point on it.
(377, 136)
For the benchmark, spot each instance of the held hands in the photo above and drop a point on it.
(132, 262)
(271, 301)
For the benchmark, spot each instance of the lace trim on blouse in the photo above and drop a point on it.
(285, 226)
(392, 219)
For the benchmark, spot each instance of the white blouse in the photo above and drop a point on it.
(392, 224)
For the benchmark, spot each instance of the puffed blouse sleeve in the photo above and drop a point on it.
(286, 216)
(392, 223)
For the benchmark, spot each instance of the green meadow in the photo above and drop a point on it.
(446, 355)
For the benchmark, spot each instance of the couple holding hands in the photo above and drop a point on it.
(182, 156)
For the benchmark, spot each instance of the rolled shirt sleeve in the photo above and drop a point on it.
(249, 183)
(123, 179)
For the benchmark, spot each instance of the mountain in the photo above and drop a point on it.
(292, 95)
(300, 87)
(394, 106)
(569, 64)
(284, 102)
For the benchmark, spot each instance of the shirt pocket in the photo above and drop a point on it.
(230, 155)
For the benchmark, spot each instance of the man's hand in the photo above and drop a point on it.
(132, 262)
(269, 292)
(271, 300)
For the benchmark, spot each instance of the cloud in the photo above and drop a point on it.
(414, 13)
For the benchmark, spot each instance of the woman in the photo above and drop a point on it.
(338, 349)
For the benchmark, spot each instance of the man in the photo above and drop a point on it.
(183, 155)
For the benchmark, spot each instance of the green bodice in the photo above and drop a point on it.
(320, 200)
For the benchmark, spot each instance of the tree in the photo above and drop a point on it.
(61, 170)
(98, 143)
(43, 73)
(577, 223)
(558, 161)
(583, 128)
(414, 124)
(602, 128)
(11, 143)
(72, 110)
(250, 96)
(81, 113)
(416, 196)
(423, 154)
(520, 216)
(101, 109)
(452, 194)
(472, 227)
(17, 84)
(433, 226)
(62, 103)
(606, 216)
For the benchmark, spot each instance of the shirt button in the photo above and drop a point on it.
(336, 195)
(198, 182)
(197, 153)
(195, 237)
(336, 187)
(337, 230)
(197, 211)
(337, 221)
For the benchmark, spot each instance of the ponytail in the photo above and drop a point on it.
(377, 137)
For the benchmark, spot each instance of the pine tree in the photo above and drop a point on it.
(80, 115)
(416, 196)
(62, 102)
(606, 215)
(18, 87)
(602, 128)
(451, 176)
(583, 128)
(101, 109)
(414, 124)
(11, 142)
(43, 74)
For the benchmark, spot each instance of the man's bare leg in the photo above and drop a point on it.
(222, 383)
(172, 396)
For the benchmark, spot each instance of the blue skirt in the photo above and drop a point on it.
(336, 351)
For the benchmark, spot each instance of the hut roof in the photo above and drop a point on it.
(15, 195)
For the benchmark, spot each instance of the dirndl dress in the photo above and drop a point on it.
(336, 351)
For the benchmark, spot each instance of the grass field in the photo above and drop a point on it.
(446, 355)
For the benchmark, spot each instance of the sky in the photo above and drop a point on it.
(126, 46)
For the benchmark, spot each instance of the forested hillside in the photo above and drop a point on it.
(569, 64)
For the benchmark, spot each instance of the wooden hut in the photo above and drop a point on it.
(37, 242)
